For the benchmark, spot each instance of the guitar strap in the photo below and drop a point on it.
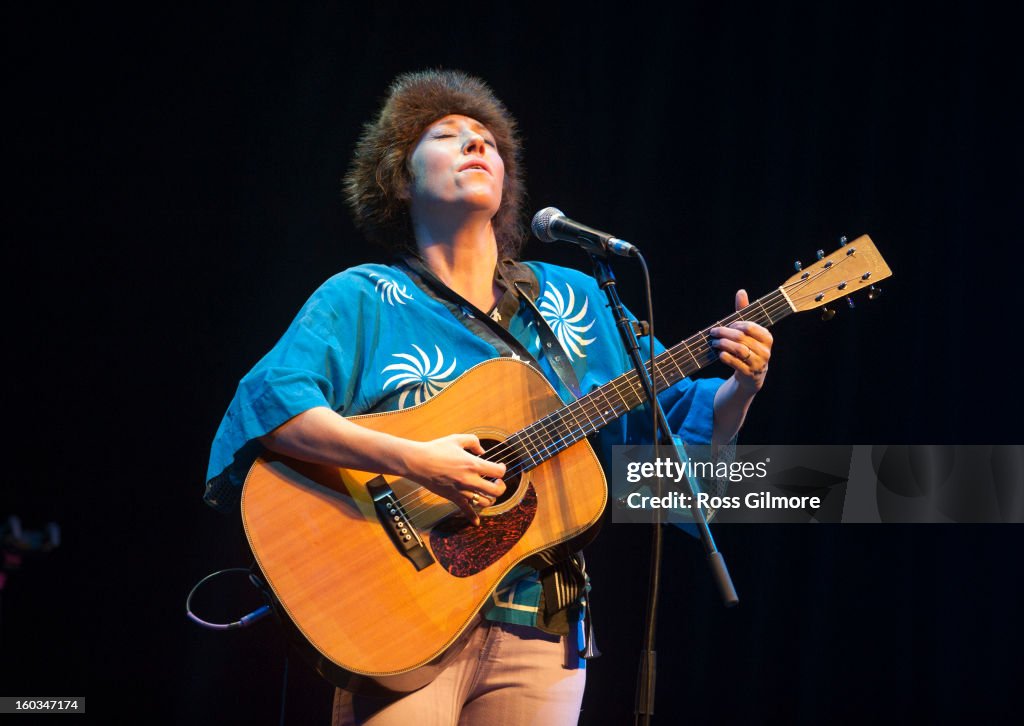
(563, 574)
(522, 283)
(519, 283)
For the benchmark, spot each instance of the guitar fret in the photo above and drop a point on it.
(522, 448)
(544, 437)
(688, 350)
(569, 429)
(608, 404)
(594, 413)
(571, 408)
(676, 364)
(531, 447)
(561, 429)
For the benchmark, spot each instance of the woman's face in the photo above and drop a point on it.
(455, 166)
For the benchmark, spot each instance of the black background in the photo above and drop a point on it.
(173, 197)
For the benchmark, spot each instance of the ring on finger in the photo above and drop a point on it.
(475, 499)
(749, 353)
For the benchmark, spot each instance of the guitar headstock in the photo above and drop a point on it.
(851, 267)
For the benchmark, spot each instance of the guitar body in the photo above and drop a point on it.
(374, 617)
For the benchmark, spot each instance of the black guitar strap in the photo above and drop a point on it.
(519, 283)
(520, 280)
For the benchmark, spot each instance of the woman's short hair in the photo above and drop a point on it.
(378, 176)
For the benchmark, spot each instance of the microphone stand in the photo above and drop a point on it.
(646, 675)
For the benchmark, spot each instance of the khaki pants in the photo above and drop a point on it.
(508, 675)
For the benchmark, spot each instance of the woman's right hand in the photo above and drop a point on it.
(451, 467)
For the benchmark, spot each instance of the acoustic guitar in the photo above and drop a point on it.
(380, 580)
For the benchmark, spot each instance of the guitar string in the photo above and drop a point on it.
(558, 419)
(544, 426)
(770, 304)
(669, 356)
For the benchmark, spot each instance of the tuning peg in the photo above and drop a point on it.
(874, 292)
(827, 313)
(842, 241)
(820, 253)
(849, 301)
(798, 265)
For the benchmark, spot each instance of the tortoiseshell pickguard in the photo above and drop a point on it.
(465, 550)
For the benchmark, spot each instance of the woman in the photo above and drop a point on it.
(436, 177)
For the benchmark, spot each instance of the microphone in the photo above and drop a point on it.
(550, 224)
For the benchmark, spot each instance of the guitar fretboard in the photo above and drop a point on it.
(559, 430)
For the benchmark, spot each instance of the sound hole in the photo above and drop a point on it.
(504, 452)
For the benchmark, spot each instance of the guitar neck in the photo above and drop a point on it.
(561, 429)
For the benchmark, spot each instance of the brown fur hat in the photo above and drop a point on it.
(378, 174)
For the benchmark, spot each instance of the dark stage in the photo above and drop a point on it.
(174, 198)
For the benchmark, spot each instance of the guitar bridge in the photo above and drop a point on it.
(393, 518)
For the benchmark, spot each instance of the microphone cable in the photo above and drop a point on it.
(246, 620)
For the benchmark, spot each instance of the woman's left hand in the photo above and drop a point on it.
(745, 347)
